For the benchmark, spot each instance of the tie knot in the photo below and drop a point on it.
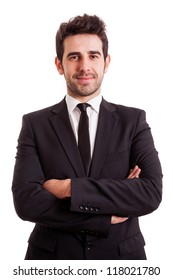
(83, 106)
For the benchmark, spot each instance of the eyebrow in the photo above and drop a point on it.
(95, 52)
(73, 53)
(78, 53)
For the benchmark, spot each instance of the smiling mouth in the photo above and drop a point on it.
(84, 78)
(84, 75)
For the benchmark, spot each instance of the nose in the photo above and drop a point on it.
(84, 65)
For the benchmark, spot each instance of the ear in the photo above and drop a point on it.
(59, 66)
(107, 62)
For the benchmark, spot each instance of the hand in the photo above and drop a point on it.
(134, 173)
(117, 220)
(59, 188)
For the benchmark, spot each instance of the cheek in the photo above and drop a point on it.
(68, 70)
(100, 68)
(101, 72)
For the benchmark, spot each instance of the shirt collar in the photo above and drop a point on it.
(72, 103)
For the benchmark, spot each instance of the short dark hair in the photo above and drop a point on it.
(85, 24)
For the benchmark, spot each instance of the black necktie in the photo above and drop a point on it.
(83, 137)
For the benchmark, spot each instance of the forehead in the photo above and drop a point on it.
(82, 43)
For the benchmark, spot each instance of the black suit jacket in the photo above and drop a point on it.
(80, 227)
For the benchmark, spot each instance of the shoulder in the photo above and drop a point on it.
(45, 112)
(122, 110)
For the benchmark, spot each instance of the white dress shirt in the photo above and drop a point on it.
(92, 112)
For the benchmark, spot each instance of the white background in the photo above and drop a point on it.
(140, 75)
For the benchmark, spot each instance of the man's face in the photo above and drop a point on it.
(83, 65)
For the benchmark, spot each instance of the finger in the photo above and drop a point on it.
(121, 220)
(137, 173)
(117, 220)
(134, 173)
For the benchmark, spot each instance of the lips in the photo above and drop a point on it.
(83, 75)
(84, 78)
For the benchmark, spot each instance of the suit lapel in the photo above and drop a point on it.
(108, 120)
(62, 126)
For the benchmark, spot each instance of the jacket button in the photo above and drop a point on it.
(86, 208)
(97, 208)
(89, 245)
(81, 207)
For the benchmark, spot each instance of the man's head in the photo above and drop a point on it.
(81, 25)
(82, 55)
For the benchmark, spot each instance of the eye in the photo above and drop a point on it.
(94, 56)
(74, 58)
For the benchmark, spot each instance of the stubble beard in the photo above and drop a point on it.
(83, 90)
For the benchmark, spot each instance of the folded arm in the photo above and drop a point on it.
(62, 189)
(115, 195)
(36, 201)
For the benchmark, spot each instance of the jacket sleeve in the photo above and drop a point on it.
(34, 204)
(121, 196)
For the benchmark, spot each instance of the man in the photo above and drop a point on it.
(85, 212)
